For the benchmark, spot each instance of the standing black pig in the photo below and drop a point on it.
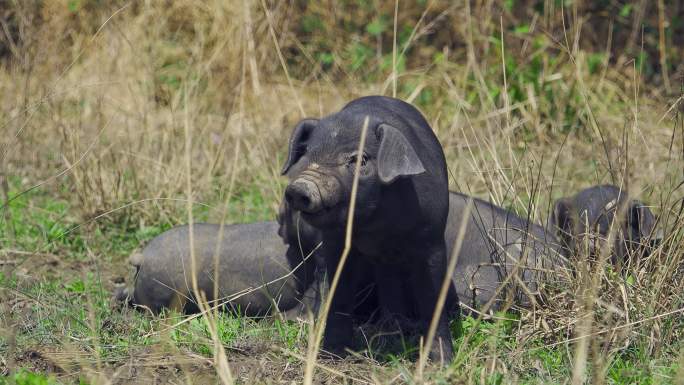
(584, 221)
(400, 215)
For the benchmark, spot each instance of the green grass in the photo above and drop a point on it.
(72, 311)
(25, 377)
(68, 306)
(69, 309)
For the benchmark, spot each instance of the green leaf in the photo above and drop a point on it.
(641, 60)
(74, 5)
(77, 286)
(326, 58)
(376, 27)
(359, 54)
(594, 61)
(630, 280)
(312, 23)
(24, 377)
(386, 63)
(626, 10)
(522, 29)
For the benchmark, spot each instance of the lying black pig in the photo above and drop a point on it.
(504, 259)
(256, 270)
(500, 247)
(400, 214)
(585, 220)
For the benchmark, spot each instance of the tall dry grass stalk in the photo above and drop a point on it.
(220, 360)
(444, 289)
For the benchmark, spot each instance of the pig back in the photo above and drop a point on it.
(253, 271)
(496, 244)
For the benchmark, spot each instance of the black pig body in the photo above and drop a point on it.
(252, 260)
(498, 244)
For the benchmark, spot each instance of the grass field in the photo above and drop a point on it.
(122, 119)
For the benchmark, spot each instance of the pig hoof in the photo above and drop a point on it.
(120, 294)
(332, 354)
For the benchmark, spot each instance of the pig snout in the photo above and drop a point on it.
(314, 191)
(303, 195)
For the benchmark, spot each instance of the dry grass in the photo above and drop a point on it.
(141, 110)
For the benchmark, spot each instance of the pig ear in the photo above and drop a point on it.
(396, 156)
(641, 219)
(298, 142)
(562, 217)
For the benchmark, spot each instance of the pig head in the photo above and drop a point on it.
(584, 222)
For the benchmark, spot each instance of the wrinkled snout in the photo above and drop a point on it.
(303, 195)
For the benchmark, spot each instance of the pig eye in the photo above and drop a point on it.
(351, 161)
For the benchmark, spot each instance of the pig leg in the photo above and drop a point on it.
(339, 323)
(390, 290)
(320, 283)
(425, 281)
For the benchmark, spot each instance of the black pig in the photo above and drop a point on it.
(252, 259)
(496, 244)
(399, 219)
(584, 221)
